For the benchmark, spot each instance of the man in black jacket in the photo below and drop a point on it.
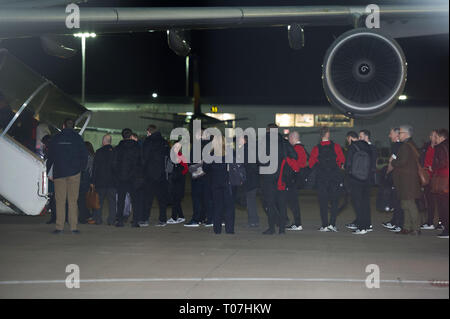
(360, 162)
(156, 152)
(103, 179)
(397, 221)
(202, 202)
(68, 155)
(274, 197)
(251, 183)
(126, 166)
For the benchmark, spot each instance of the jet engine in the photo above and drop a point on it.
(178, 41)
(364, 73)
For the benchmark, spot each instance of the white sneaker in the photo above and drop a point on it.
(370, 228)
(143, 224)
(388, 225)
(293, 227)
(427, 227)
(360, 232)
(333, 228)
(396, 229)
(192, 224)
(324, 229)
(180, 220)
(208, 225)
(161, 224)
(171, 221)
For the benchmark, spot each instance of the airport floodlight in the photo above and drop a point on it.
(85, 35)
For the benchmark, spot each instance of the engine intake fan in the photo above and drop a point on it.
(364, 73)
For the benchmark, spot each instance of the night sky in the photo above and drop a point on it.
(246, 64)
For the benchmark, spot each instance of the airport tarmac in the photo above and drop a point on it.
(180, 262)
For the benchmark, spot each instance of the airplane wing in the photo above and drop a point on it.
(31, 21)
(36, 3)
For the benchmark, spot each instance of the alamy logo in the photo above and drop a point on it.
(228, 149)
(73, 279)
(373, 17)
(73, 16)
(373, 279)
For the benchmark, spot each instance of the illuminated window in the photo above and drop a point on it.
(333, 120)
(223, 116)
(285, 120)
(304, 120)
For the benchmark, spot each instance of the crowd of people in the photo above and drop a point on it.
(142, 170)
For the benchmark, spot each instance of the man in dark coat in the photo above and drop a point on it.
(68, 156)
(406, 180)
(360, 188)
(274, 196)
(251, 183)
(396, 223)
(103, 180)
(126, 167)
(156, 152)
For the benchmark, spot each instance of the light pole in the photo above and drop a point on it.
(187, 75)
(83, 37)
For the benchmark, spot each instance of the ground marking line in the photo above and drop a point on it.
(124, 280)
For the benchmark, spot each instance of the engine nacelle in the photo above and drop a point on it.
(364, 73)
(178, 41)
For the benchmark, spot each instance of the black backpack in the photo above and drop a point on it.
(289, 177)
(361, 163)
(327, 157)
(306, 178)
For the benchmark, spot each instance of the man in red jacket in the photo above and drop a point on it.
(329, 160)
(292, 190)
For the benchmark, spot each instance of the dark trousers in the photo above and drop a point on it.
(122, 190)
(83, 212)
(293, 204)
(52, 207)
(223, 209)
(202, 200)
(139, 205)
(252, 209)
(110, 195)
(160, 190)
(176, 191)
(431, 204)
(442, 204)
(360, 193)
(274, 202)
(398, 219)
(327, 189)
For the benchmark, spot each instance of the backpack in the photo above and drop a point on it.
(306, 180)
(361, 163)
(237, 174)
(289, 177)
(327, 157)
